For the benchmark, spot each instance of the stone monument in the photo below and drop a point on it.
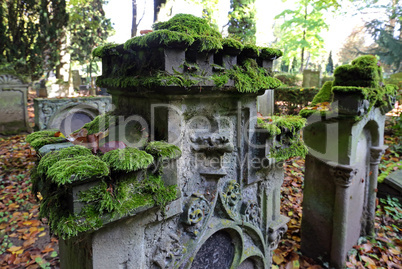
(311, 78)
(13, 105)
(185, 113)
(345, 148)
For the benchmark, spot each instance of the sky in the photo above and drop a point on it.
(119, 11)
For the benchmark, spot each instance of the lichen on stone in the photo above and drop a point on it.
(127, 159)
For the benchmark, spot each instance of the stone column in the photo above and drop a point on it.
(375, 158)
(343, 176)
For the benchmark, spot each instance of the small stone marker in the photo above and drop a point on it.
(392, 185)
(13, 105)
(311, 78)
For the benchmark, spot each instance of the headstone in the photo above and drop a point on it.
(392, 186)
(345, 148)
(266, 103)
(76, 79)
(13, 105)
(311, 78)
(68, 114)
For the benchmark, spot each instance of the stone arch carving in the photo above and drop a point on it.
(7, 79)
(63, 119)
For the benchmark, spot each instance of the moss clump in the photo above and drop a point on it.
(127, 159)
(206, 43)
(105, 202)
(163, 150)
(364, 71)
(42, 138)
(188, 24)
(250, 50)
(100, 123)
(270, 54)
(296, 148)
(160, 38)
(81, 167)
(231, 43)
(52, 157)
(108, 49)
(324, 95)
(276, 124)
(251, 78)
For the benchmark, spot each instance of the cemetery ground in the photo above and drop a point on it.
(26, 242)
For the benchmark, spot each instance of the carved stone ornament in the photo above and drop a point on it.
(195, 210)
(9, 80)
(231, 196)
(275, 235)
(342, 174)
(376, 154)
(251, 213)
(168, 251)
(211, 144)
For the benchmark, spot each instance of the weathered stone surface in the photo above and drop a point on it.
(53, 147)
(13, 105)
(266, 103)
(216, 253)
(311, 78)
(68, 114)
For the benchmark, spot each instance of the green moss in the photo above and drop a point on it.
(52, 157)
(231, 43)
(42, 141)
(81, 167)
(160, 38)
(251, 78)
(188, 24)
(40, 134)
(127, 159)
(324, 95)
(206, 43)
(275, 124)
(250, 50)
(100, 123)
(102, 51)
(104, 202)
(296, 148)
(163, 149)
(270, 53)
(220, 80)
(364, 71)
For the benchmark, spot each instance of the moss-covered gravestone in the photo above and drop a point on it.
(345, 147)
(207, 197)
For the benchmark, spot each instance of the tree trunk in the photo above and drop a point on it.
(134, 20)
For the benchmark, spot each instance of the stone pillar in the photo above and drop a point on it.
(375, 158)
(343, 176)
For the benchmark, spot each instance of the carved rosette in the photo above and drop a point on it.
(275, 234)
(342, 175)
(231, 197)
(251, 213)
(196, 210)
(167, 252)
(376, 154)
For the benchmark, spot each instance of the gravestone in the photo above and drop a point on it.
(392, 186)
(311, 78)
(345, 148)
(68, 114)
(266, 103)
(13, 105)
(226, 213)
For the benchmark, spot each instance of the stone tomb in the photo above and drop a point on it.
(13, 105)
(68, 114)
(227, 210)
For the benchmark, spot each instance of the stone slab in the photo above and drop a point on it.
(53, 147)
(13, 105)
(392, 185)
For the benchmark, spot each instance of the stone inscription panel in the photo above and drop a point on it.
(216, 253)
